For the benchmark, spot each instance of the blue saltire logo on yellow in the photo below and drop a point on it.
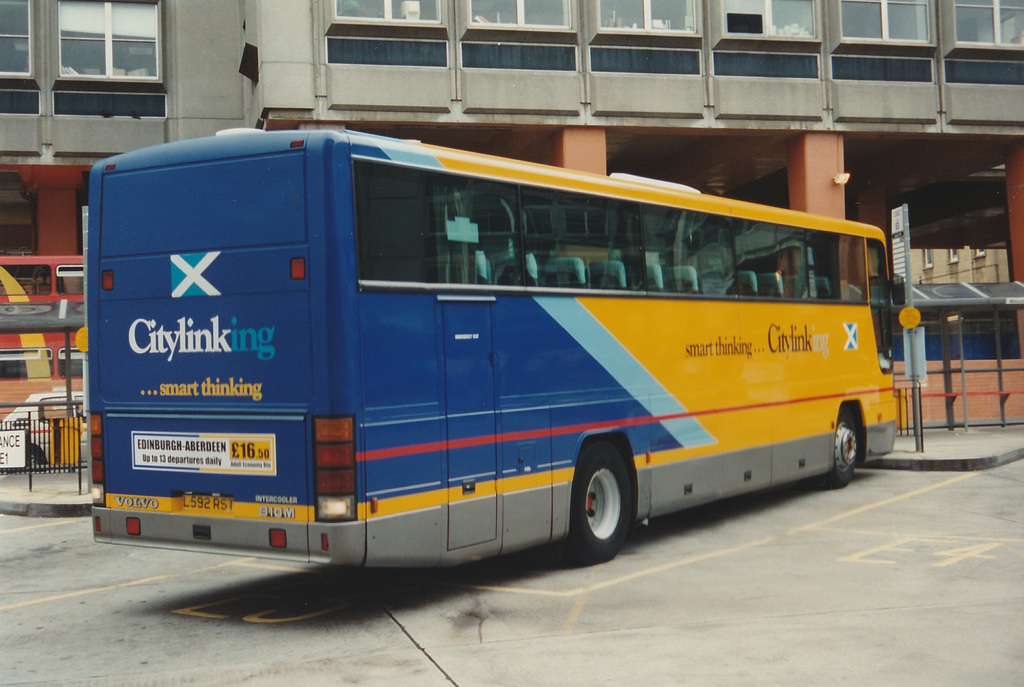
(851, 336)
(187, 275)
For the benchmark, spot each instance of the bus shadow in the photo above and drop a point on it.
(336, 595)
(734, 510)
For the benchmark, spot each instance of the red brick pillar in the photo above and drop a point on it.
(813, 161)
(57, 221)
(582, 148)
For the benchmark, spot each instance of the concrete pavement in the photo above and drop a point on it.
(51, 495)
(956, 450)
(57, 495)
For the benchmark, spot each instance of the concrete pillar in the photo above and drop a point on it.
(582, 148)
(813, 160)
(57, 221)
(1015, 208)
(871, 209)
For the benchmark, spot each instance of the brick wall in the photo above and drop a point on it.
(983, 405)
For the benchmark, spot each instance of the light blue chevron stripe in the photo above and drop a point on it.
(624, 368)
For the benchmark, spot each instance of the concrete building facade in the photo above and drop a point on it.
(842, 107)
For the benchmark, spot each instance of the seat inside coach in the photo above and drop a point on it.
(565, 272)
(686, 279)
(769, 284)
(746, 283)
(655, 278)
(608, 274)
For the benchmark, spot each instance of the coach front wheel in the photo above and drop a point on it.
(601, 506)
(845, 450)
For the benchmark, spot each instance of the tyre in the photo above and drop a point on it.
(845, 450)
(601, 505)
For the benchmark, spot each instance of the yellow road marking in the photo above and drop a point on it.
(250, 563)
(194, 610)
(884, 502)
(261, 616)
(623, 578)
(69, 521)
(963, 553)
(938, 538)
(862, 556)
(119, 585)
(577, 607)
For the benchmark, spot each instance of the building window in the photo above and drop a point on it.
(954, 256)
(520, 12)
(392, 53)
(648, 15)
(770, 17)
(108, 39)
(889, 20)
(519, 56)
(999, 22)
(644, 60)
(979, 253)
(929, 260)
(14, 39)
(388, 10)
(985, 72)
(854, 68)
(766, 65)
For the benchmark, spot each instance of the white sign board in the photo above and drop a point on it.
(248, 454)
(915, 365)
(13, 447)
(900, 243)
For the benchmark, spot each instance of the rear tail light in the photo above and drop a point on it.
(334, 453)
(97, 458)
(278, 538)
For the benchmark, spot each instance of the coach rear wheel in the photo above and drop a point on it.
(845, 450)
(601, 506)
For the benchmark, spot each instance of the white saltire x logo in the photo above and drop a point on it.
(190, 280)
(851, 336)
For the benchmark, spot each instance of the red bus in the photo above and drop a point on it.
(37, 361)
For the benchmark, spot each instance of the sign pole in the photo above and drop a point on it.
(914, 363)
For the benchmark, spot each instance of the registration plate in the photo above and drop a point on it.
(209, 504)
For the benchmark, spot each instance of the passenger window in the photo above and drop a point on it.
(475, 232)
(687, 252)
(70, 280)
(417, 226)
(852, 270)
(770, 261)
(671, 254)
(581, 242)
(823, 265)
(26, 280)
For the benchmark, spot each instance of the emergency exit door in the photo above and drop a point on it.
(469, 393)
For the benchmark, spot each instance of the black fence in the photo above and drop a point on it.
(43, 437)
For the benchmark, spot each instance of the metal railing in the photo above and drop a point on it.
(40, 438)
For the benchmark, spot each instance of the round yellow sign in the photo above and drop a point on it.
(82, 339)
(910, 317)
